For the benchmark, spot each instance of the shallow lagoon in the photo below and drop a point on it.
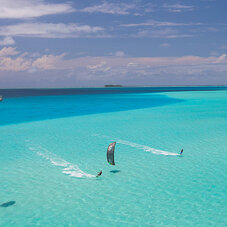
(53, 146)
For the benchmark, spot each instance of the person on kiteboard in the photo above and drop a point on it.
(99, 174)
(181, 151)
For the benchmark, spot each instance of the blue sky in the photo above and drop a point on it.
(84, 43)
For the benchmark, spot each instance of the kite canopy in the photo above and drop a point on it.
(110, 153)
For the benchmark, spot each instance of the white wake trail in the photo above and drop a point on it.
(67, 167)
(140, 146)
(146, 148)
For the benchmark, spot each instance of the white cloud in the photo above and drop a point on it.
(49, 30)
(154, 23)
(221, 59)
(7, 41)
(47, 62)
(22, 9)
(131, 64)
(106, 68)
(101, 67)
(110, 8)
(162, 29)
(12, 60)
(119, 53)
(17, 64)
(8, 63)
(167, 33)
(8, 51)
(177, 8)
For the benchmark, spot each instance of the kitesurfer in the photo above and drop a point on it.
(181, 151)
(99, 174)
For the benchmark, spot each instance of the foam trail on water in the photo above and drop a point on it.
(67, 167)
(146, 148)
(141, 147)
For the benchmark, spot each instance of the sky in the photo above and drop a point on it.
(90, 43)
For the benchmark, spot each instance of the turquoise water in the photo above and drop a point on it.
(52, 147)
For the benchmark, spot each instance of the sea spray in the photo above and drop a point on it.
(67, 167)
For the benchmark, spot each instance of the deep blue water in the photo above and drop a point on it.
(40, 104)
(116, 90)
(26, 109)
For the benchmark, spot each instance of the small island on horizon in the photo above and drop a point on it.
(113, 85)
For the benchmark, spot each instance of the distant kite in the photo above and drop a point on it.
(110, 153)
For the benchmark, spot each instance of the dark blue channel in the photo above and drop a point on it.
(27, 109)
(6, 93)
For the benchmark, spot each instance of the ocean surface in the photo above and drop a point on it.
(54, 142)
